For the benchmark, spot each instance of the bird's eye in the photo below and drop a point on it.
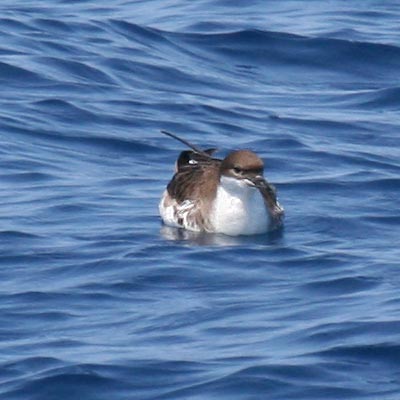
(238, 170)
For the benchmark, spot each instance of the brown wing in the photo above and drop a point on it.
(196, 182)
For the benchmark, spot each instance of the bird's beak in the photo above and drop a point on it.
(259, 182)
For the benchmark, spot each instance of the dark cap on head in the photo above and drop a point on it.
(242, 161)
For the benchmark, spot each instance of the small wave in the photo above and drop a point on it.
(382, 98)
(137, 32)
(52, 25)
(16, 235)
(326, 124)
(379, 184)
(343, 286)
(388, 353)
(17, 75)
(64, 110)
(80, 70)
(14, 25)
(69, 384)
(36, 296)
(391, 220)
(332, 332)
(27, 177)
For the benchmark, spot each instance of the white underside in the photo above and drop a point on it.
(238, 209)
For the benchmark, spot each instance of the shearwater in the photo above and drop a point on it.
(229, 196)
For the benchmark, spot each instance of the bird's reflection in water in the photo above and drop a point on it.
(216, 239)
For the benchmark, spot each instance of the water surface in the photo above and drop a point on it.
(98, 300)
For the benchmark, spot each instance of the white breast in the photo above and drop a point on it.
(238, 209)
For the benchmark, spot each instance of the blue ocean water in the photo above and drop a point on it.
(98, 300)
